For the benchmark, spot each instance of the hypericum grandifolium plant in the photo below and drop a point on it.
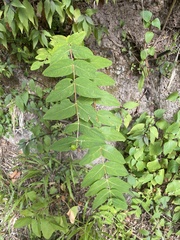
(79, 105)
(78, 98)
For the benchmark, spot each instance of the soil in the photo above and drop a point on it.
(157, 86)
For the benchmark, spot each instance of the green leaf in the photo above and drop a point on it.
(86, 112)
(96, 187)
(115, 169)
(173, 96)
(107, 99)
(64, 110)
(137, 129)
(153, 134)
(76, 38)
(109, 119)
(173, 166)
(169, 147)
(96, 173)
(159, 113)
(47, 228)
(83, 85)
(63, 144)
(25, 97)
(147, 177)
(81, 52)
(2, 28)
(148, 36)
(93, 153)
(146, 15)
(130, 105)
(19, 103)
(159, 178)
(111, 134)
(120, 185)
(102, 79)
(155, 148)
(153, 165)
(173, 188)
(22, 14)
(119, 203)
(84, 69)
(35, 225)
(91, 139)
(17, 3)
(100, 62)
(59, 68)
(156, 23)
(112, 154)
(62, 90)
(22, 222)
(151, 51)
(101, 198)
(144, 54)
(30, 14)
(173, 128)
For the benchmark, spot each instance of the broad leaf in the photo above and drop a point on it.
(101, 198)
(107, 99)
(100, 62)
(111, 134)
(173, 188)
(22, 222)
(115, 169)
(118, 184)
(169, 147)
(112, 154)
(109, 119)
(64, 110)
(97, 172)
(130, 105)
(93, 153)
(149, 36)
(153, 166)
(96, 187)
(86, 111)
(35, 225)
(64, 144)
(47, 228)
(62, 90)
(59, 68)
(76, 38)
(84, 69)
(81, 52)
(83, 85)
(102, 79)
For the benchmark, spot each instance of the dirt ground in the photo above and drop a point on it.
(157, 87)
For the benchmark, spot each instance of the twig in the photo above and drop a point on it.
(169, 14)
(174, 69)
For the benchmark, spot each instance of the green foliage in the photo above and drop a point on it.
(148, 49)
(73, 98)
(25, 25)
